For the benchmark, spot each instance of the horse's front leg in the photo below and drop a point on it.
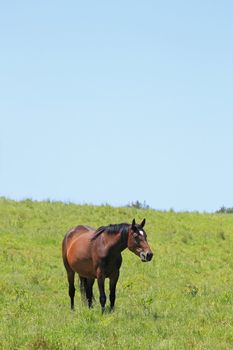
(100, 279)
(113, 282)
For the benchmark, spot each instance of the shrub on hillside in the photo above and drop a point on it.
(138, 205)
(224, 210)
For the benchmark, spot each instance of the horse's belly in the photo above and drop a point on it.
(84, 268)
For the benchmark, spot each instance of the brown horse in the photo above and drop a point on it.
(97, 254)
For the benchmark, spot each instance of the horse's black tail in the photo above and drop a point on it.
(86, 290)
(83, 287)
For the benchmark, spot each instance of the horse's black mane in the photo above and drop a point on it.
(112, 230)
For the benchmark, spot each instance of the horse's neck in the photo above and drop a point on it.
(121, 243)
(114, 244)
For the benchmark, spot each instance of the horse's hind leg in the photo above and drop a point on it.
(70, 277)
(70, 273)
(89, 291)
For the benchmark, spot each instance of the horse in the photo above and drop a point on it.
(96, 254)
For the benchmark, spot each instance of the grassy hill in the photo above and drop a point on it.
(183, 299)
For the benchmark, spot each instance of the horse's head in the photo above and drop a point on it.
(137, 241)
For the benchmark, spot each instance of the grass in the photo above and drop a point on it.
(183, 299)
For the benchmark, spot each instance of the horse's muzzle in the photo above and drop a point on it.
(146, 256)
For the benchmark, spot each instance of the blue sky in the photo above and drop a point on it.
(117, 101)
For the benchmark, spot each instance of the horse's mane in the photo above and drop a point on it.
(111, 230)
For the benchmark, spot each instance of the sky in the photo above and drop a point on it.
(113, 102)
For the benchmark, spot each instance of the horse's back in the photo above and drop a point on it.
(78, 230)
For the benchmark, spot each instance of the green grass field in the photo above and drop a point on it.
(183, 299)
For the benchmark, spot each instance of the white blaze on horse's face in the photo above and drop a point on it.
(141, 233)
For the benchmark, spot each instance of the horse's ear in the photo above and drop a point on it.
(143, 222)
(133, 223)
